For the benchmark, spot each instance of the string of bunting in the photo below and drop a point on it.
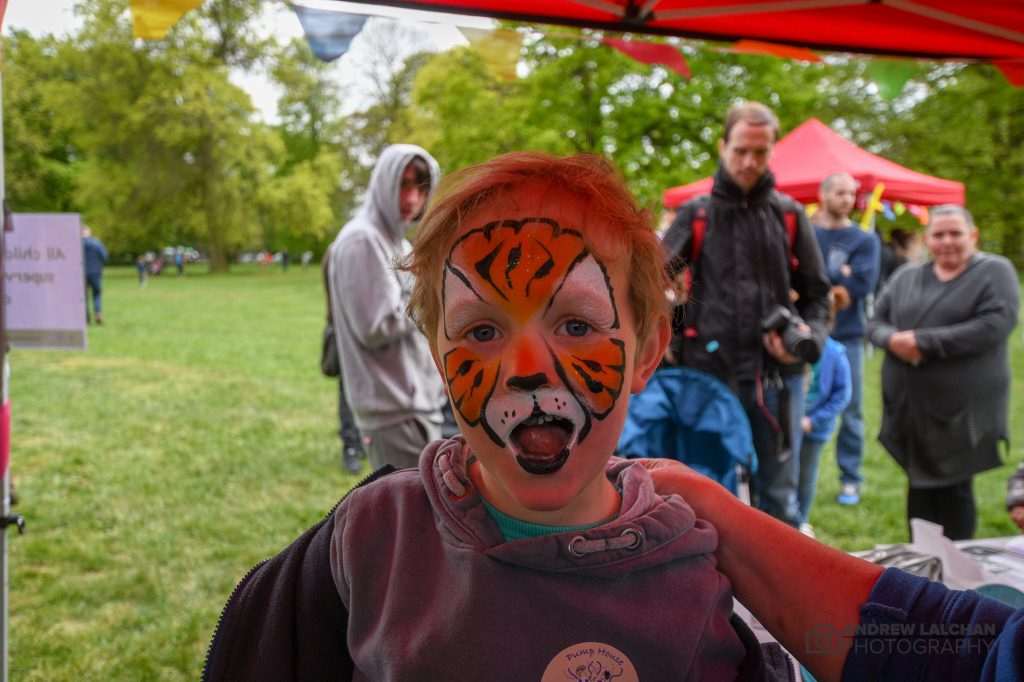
(330, 35)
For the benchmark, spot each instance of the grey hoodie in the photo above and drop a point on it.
(433, 592)
(390, 376)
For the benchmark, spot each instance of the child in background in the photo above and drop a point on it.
(828, 393)
(519, 550)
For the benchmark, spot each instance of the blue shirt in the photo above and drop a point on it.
(861, 251)
(94, 255)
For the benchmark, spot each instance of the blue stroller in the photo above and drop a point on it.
(693, 417)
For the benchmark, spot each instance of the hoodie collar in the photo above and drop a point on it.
(648, 531)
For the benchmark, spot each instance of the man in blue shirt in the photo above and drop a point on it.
(94, 256)
(851, 258)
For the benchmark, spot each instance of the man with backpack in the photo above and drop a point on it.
(756, 297)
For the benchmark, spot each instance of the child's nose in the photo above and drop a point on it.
(528, 364)
(528, 383)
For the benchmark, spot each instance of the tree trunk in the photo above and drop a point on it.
(212, 209)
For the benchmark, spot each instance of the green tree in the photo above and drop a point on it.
(969, 126)
(578, 94)
(168, 148)
(171, 153)
(309, 104)
(461, 112)
(41, 159)
(295, 210)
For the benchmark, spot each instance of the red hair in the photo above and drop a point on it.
(623, 230)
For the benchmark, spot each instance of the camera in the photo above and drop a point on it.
(801, 344)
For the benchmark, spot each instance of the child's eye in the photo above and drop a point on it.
(483, 333)
(576, 328)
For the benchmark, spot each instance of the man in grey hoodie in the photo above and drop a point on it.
(392, 385)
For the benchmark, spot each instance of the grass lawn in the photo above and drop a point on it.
(195, 437)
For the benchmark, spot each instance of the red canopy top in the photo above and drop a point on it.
(935, 29)
(812, 151)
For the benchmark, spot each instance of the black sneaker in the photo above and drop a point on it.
(350, 460)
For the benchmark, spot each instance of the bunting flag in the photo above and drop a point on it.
(874, 204)
(898, 208)
(919, 212)
(328, 33)
(774, 49)
(499, 49)
(810, 210)
(151, 19)
(1013, 71)
(890, 75)
(887, 210)
(652, 53)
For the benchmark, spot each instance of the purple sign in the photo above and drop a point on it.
(44, 284)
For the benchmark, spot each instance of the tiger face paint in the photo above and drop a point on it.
(537, 351)
(533, 267)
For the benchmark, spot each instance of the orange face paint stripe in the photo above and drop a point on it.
(598, 374)
(471, 381)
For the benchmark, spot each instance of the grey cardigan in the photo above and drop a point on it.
(943, 419)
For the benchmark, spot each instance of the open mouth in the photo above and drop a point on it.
(542, 442)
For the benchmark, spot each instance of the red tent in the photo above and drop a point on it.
(935, 29)
(813, 150)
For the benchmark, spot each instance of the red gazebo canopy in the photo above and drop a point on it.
(934, 29)
(812, 151)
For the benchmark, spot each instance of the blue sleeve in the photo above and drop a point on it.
(840, 390)
(864, 262)
(1005, 660)
(914, 629)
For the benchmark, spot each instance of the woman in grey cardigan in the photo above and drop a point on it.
(944, 325)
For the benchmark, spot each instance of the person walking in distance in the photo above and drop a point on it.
(94, 257)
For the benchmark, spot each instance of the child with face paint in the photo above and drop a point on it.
(520, 550)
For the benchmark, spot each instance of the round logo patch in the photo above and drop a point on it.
(590, 662)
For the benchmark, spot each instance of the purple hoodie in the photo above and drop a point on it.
(433, 592)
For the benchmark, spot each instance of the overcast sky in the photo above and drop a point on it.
(56, 16)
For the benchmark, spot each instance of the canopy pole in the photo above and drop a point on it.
(4, 424)
(7, 519)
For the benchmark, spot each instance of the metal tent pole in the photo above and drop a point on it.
(4, 374)
(7, 519)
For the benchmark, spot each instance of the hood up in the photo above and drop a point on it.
(385, 181)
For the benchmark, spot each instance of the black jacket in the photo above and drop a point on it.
(742, 271)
